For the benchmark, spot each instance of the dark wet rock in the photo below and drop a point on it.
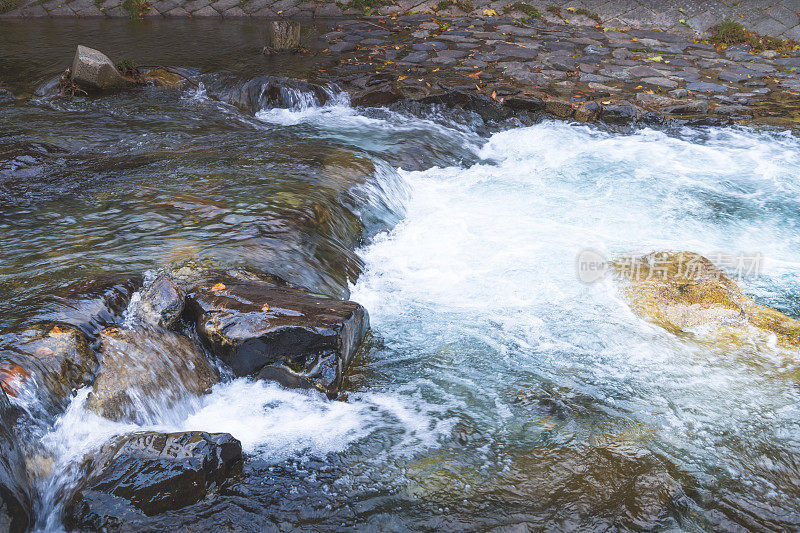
(695, 107)
(488, 109)
(94, 303)
(528, 103)
(148, 473)
(415, 57)
(162, 303)
(144, 371)
(620, 113)
(429, 46)
(704, 86)
(251, 324)
(93, 71)
(49, 360)
(515, 51)
(282, 35)
(265, 92)
(378, 95)
(660, 82)
(736, 76)
(342, 47)
(16, 510)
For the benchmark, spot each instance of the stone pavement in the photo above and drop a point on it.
(777, 18)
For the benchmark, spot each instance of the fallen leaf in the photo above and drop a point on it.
(657, 59)
(475, 75)
(265, 307)
(218, 287)
(11, 378)
(401, 78)
(489, 13)
(56, 331)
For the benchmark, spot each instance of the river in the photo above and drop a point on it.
(497, 388)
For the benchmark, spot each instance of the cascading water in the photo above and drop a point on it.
(498, 388)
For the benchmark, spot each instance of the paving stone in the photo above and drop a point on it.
(207, 11)
(343, 46)
(515, 51)
(704, 86)
(194, 5)
(176, 12)
(660, 82)
(222, 5)
(735, 76)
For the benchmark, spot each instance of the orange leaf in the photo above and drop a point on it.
(265, 307)
(11, 378)
(218, 287)
(56, 331)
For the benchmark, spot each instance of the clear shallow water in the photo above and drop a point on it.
(497, 388)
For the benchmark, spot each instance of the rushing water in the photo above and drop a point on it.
(497, 388)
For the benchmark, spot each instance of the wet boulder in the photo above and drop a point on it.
(687, 294)
(93, 71)
(377, 95)
(16, 511)
(144, 371)
(282, 36)
(488, 109)
(147, 473)
(275, 331)
(264, 92)
(49, 360)
(93, 303)
(161, 304)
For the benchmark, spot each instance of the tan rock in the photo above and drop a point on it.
(685, 293)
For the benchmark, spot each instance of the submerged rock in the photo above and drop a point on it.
(283, 334)
(163, 78)
(684, 293)
(142, 372)
(16, 512)
(147, 473)
(588, 488)
(93, 71)
(282, 36)
(54, 358)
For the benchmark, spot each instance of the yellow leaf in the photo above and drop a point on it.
(265, 307)
(401, 78)
(489, 13)
(657, 59)
(218, 287)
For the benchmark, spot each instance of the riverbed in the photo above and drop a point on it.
(497, 388)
